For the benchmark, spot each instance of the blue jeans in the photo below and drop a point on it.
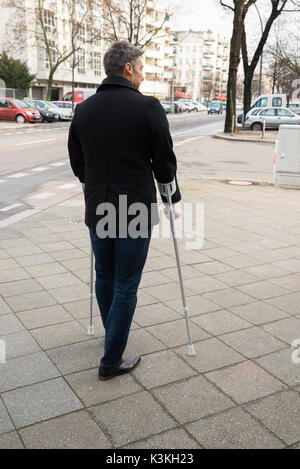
(119, 266)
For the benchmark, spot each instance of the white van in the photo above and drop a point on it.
(270, 100)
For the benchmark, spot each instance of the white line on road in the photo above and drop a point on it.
(187, 140)
(41, 168)
(67, 186)
(42, 195)
(36, 141)
(2, 180)
(61, 163)
(18, 175)
(9, 207)
(178, 133)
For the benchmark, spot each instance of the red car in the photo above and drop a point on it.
(12, 109)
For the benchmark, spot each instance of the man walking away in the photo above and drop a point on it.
(118, 139)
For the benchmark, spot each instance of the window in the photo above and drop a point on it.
(18, 103)
(187, 61)
(4, 103)
(180, 61)
(262, 102)
(97, 63)
(277, 102)
(97, 37)
(81, 33)
(52, 52)
(49, 21)
(268, 112)
(194, 61)
(68, 97)
(285, 113)
(81, 61)
(254, 113)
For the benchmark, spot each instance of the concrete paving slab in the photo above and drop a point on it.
(262, 290)
(27, 405)
(79, 291)
(141, 342)
(13, 275)
(11, 441)
(280, 413)
(245, 382)
(171, 439)
(124, 419)
(196, 304)
(59, 334)
(174, 333)
(20, 287)
(91, 391)
(211, 354)
(258, 313)
(192, 399)
(280, 365)
(252, 342)
(28, 301)
(73, 431)
(34, 259)
(59, 280)
(76, 357)
(233, 429)
(220, 322)
(228, 297)
(9, 324)
(4, 308)
(20, 344)
(287, 330)
(42, 317)
(6, 424)
(162, 368)
(154, 314)
(30, 369)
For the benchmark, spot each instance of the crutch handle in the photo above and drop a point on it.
(167, 189)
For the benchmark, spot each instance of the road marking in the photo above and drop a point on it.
(8, 133)
(18, 175)
(2, 180)
(178, 133)
(41, 168)
(36, 141)
(188, 140)
(42, 195)
(67, 186)
(61, 163)
(9, 207)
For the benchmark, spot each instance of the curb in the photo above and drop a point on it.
(247, 140)
(20, 126)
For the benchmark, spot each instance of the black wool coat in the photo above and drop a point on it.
(118, 140)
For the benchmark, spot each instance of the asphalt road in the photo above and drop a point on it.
(34, 165)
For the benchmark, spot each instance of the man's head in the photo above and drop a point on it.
(124, 59)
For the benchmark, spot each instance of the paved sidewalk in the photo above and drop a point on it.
(241, 390)
(270, 137)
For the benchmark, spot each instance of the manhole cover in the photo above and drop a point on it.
(241, 183)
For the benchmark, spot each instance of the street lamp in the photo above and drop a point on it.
(261, 58)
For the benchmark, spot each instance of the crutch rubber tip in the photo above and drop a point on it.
(91, 330)
(191, 351)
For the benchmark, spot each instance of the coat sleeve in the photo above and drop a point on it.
(75, 151)
(164, 164)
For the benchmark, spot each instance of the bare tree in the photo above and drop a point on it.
(277, 8)
(127, 20)
(239, 9)
(41, 24)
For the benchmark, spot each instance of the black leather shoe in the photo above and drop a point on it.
(124, 366)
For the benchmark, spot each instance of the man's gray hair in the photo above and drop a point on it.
(119, 54)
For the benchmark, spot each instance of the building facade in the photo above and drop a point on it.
(201, 63)
(24, 41)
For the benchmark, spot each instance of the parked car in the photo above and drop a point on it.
(215, 107)
(47, 114)
(63, 104)
(186, 104)
(177, 107)
(65, 114)
(12, 109)
(198, 106)
(80, 94)
(273, 117)
(166, 106)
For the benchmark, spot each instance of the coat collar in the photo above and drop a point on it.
(117, 81)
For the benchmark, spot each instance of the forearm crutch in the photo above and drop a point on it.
(167, 190)
(91, 327)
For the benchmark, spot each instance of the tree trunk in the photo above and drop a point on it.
(247, 91)
(235, 48)
(50, 83)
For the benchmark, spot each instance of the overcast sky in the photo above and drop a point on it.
(200, 15)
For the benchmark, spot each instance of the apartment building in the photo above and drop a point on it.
(202, 63)
(20, 33)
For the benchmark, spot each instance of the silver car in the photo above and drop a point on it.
(64, 113)
(274, 117)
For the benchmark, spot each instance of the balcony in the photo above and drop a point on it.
(155, 88)
(153, 69)
(168, 63)
(168, 75)
(154, 54)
